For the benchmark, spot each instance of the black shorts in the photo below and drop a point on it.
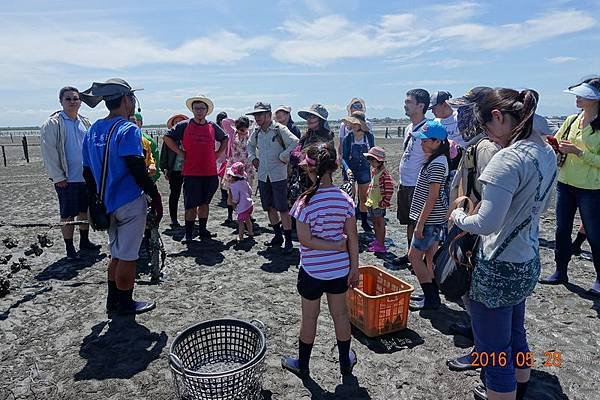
(274, 194)
(199, 190)
(312, 288)
(72, 200)
(405, 195)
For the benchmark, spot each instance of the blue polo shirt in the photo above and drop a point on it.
(74, 133)
(126, 140)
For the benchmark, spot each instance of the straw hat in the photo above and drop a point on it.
(171, 121)
(357, 117)
(203, 99)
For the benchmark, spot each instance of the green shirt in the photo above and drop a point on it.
(584, 171)
(154, 148)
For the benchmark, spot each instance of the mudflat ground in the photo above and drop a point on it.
(56, 341)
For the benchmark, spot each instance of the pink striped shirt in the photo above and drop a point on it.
(326, 214)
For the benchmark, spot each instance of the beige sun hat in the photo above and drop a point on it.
(356, 100)
(357, 117)
(377, 153)
(203, 99)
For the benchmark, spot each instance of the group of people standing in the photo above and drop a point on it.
(488, 145)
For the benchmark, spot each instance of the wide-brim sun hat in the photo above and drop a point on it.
(202, 98)
(317, 110)
(354, 101)
(171, 120)
(260, 107)
(237, 170)
(111, 89)
(584, 90)
(377, 153)
(473, 96)
(357, 117)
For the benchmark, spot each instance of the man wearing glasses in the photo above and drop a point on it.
(269, 149)
(200, 180)
(61, 141)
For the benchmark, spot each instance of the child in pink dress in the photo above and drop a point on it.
(240, 194)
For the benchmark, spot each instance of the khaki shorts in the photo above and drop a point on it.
(405, 195)
(127, 224)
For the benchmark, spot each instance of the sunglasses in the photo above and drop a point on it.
(71, 99)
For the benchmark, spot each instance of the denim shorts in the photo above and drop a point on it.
(375, 212)
(431, 234)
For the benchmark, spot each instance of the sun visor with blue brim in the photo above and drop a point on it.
(584, 90)
(109, 90)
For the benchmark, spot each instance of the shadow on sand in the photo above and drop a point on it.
(64, 269)
(125, 349)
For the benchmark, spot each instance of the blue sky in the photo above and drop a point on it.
(290, 52)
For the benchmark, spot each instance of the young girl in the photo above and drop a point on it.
(328, 258)
(429, 208)
(379, 196)
(238, 152)
(240, 194)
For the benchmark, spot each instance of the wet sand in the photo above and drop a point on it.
(57, 342)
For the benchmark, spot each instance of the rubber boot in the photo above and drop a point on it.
(430, 300)
(559, 277)
(112, 298)
(278, 238)
(128, 306)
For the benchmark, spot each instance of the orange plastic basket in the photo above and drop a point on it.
(379, 304)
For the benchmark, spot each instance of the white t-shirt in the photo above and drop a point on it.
(451, 125)
(413, 157)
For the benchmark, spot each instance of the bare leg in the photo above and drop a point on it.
(273, 216)
(424, 274)
(83, 217)
(67, 230)
(203, 211)
(240, 231)
(379, 226)
(125, 274)
(339, 314)
(310, 314)
(249, 227)
(363, 190)
(190, 214)
(286, 220)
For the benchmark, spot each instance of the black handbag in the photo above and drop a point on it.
(98, 217)
(560, 157)
(453, 263)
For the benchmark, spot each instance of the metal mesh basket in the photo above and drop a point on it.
(219, 359)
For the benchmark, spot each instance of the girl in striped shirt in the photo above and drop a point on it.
(429, 208)
(328, 238)
(379, 196)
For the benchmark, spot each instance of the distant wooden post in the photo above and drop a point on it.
(399, 129)
(25, 148)
(386, 132)
(11, 138)
(4, 155)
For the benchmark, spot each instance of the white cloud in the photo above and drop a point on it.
(561, 59)
(521, 34)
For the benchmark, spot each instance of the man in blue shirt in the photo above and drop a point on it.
(61, 140)
(126, 184)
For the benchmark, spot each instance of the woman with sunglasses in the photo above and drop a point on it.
(516, 189)
(579, 181)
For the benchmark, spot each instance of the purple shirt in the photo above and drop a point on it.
(241, 195)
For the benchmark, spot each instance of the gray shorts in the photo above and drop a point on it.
(274, 194)
(127, 224)
(375, 212)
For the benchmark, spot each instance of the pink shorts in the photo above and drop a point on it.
(245, 216)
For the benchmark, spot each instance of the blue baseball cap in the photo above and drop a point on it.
(432, 130)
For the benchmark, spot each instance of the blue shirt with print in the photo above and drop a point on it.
(75, 132)
(126, 140)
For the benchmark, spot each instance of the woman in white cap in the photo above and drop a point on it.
(579, 180)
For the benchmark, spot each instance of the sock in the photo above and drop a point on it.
(202, 222)
(125, 299)
(229, 212)
(581, 237)
(189, 230)
(84, 236)
(69, 246)
(112, 299)
(364, 218)
(277, 229)
(304, 350)
(288, 235)
(344, 352)
(521, 389)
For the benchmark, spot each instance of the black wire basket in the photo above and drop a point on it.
(219, 359)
